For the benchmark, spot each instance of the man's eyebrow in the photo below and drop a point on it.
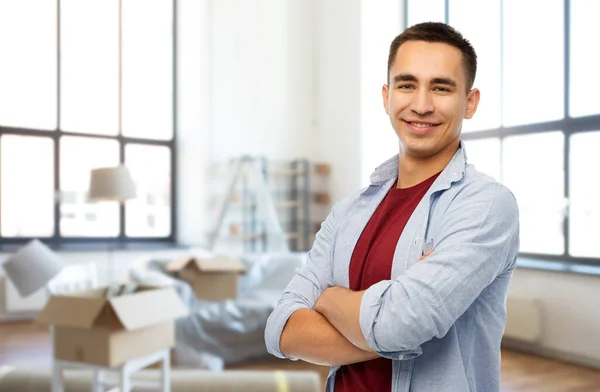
(413, 78)
(405, 78)
(447, 81)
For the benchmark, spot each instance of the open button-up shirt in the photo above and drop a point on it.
(441, 320)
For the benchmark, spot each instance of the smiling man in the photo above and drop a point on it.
(405, 286)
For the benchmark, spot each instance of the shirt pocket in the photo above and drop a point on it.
(420, 245)
(405, 255)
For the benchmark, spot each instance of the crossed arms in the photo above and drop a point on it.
(330, 334)
(320, 323)
(309, 336)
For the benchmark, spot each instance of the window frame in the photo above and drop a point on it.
(567, 125)
(121, 240)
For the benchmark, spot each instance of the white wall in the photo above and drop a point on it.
(381, 21)
(262, 78)
(337, 138)
(354, 133)
(193, 117)
(570, 303)
(285, 79)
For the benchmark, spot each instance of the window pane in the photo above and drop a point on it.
(538, 185)
(28, 63)
(426, 11)
(90, 66)
(584, 61)
(147, 68)
(149, 214)
(78, 156)
(27, 196)
(533, 62)
(584, 209)
(484, 34)
(484, 154)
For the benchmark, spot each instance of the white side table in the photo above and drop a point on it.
(125, 370)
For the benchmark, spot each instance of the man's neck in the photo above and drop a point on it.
(413, 171)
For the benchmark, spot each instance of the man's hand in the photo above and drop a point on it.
(322, 302)
(341, 307)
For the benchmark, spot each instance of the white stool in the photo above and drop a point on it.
(125, 370)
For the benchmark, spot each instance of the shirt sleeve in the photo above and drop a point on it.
(306, 286)
(477, 241)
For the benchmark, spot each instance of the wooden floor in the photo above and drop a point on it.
(25, 345)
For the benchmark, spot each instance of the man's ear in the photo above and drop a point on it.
(472, 103)
(384, 95)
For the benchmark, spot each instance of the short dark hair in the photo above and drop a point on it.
(437, 32)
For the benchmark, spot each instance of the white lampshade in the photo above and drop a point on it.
(32, 267)
(111, 184)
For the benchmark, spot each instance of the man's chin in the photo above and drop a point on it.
(419, 150)
(426, 149)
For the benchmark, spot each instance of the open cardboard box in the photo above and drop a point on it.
(212, 279)
(106, 328)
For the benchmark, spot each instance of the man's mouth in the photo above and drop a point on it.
(421, 127)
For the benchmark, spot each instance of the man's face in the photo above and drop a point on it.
(427, 98)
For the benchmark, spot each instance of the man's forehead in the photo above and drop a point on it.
(425, 47)
(428, 59)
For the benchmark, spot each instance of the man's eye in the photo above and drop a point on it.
(405, 86)
(442, 89)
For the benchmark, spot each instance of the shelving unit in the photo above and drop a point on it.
(289, 184)
(321, 202)
(243, 225)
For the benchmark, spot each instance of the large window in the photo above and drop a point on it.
(86, 84)
(537, 128)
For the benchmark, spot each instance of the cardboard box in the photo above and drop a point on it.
(212, 279)
(95, 328)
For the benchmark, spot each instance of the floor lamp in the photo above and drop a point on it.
(111, 184)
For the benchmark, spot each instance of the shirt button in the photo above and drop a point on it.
(400, 357)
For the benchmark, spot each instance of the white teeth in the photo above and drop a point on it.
(421, 125)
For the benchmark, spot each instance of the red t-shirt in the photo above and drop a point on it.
(371, 263)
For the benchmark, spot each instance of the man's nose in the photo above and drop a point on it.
(422, 103)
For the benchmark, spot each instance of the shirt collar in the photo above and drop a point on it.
(454, 171)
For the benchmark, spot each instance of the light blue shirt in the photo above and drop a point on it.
(440, 320)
